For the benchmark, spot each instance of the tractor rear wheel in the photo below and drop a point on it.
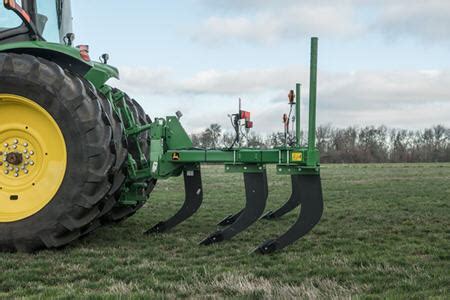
(56, 154)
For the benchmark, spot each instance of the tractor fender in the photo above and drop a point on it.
(67, 57)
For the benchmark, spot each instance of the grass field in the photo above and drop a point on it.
(385, 233)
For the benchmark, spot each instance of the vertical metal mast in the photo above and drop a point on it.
(312, 95)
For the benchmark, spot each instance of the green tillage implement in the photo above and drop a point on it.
(143, 151)
(172, 153)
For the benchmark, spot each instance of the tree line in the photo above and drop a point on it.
(369, 144)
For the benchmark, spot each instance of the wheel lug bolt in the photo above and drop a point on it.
(31, 163)
(31, 153)
(15, 141)
(25, 144)
(5, 145)
(25, 171)
(10, 168)
(14, 146)
(27, 156)
(16, 175)
(25, 150)
(6, 172)
(16, 169)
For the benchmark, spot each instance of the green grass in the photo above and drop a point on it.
(385, 233)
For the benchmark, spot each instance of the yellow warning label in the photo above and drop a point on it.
(297, 156)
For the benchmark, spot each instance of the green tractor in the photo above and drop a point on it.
(76, 153)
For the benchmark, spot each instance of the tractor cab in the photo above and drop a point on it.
(35, 20)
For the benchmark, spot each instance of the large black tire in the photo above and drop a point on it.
(121, 153)
(90, 158)
(121, 212)
(118, 171)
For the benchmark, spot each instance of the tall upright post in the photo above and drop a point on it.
(312, 95)
(297, 114)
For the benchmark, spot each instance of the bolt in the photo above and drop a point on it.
(31, 163)
(6, 172)
(14, 146)
(23, 167)
(10, 168)
(16, 169)
(31, 153)
(25, 144)
(27, 156)
(25, 171)
(16, 175)
(25, 150)
(15, 141)
(14, 158)
(5, 145)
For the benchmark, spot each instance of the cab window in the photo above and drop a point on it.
(8, 19)
(47, 20)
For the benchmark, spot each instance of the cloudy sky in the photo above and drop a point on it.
(380, 61)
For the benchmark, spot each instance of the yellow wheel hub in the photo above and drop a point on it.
(33, 158)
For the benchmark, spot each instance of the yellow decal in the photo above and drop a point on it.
(297, 156)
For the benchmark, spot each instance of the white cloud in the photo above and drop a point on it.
(329, 19)
(407, 98)
(242, 81)
(426, 20)
(269, 21)
(156, 81)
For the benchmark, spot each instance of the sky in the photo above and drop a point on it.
(380, 61)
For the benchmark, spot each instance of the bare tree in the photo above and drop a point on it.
(352, 145)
